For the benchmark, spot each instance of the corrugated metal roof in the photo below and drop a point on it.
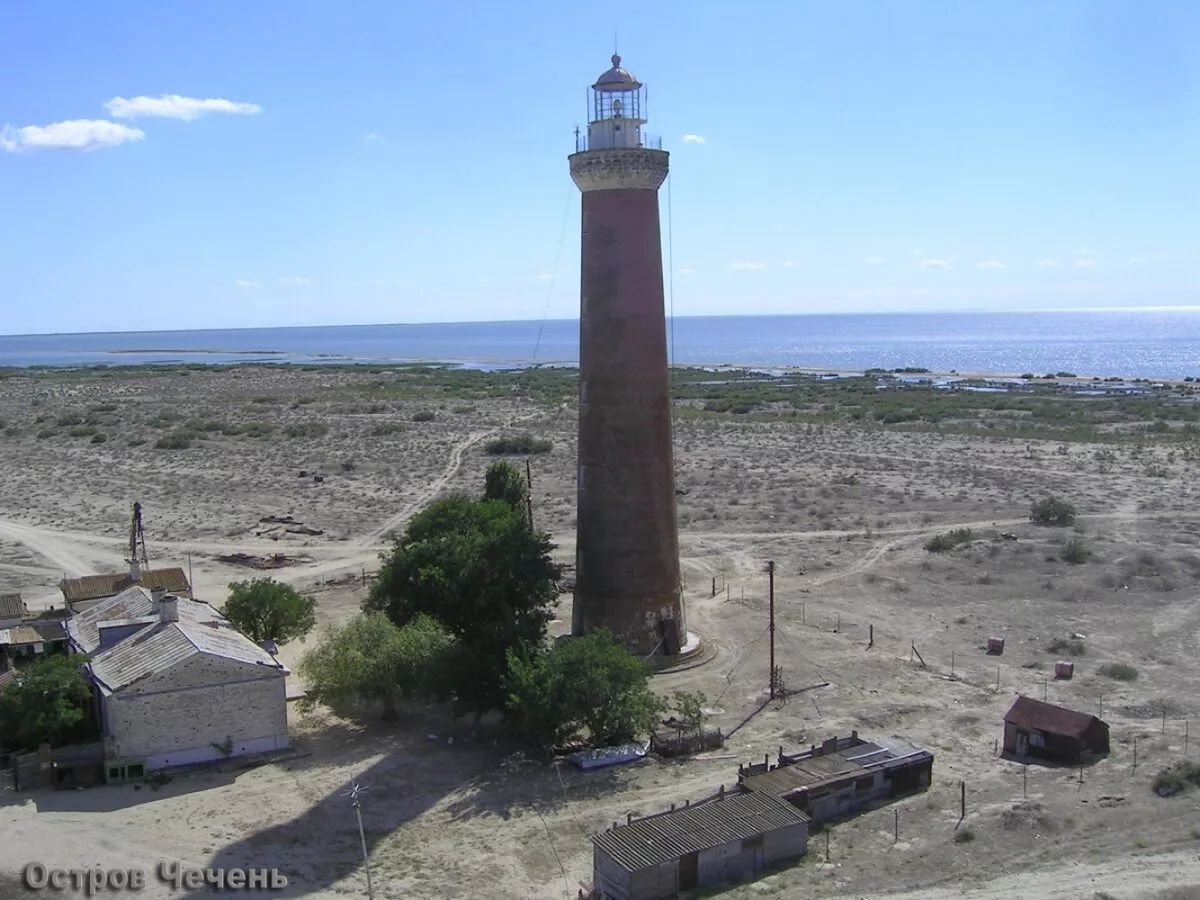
(39, 633)
(200, 629)
(807, 771)
(1030, 713)
(131, 603)
(95, 587)
(651, 842)
(11, 606)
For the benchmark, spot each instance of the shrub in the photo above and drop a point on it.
(424, 415)
(1066, 646)
(1119, 671)
(99, 438)
(1176, 778)
(387, 428)
(518, 444)
(82, 431)
(306, 430)
(964, 836)
(1076, 552)
(176, 440)
(1052, 511)
(948, 541)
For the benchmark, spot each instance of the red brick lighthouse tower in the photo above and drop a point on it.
(627, 541)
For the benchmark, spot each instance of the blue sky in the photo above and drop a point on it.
(376, 161)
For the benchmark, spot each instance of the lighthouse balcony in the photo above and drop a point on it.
(644, 142)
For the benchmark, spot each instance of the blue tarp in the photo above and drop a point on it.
(608, 756)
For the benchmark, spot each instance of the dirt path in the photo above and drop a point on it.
(63, 552)
(377, 535)
(1128, 877)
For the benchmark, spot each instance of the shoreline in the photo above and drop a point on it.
(284, 358)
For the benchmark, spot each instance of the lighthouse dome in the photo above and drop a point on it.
(617, 78)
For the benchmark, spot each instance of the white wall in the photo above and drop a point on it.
(178, 715)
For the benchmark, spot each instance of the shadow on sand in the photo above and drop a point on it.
(484, 777)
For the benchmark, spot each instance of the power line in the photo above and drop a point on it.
(562, 236)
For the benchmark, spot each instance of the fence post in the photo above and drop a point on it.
(962, 800)
(896, 837)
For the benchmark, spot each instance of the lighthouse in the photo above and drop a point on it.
(627, 539)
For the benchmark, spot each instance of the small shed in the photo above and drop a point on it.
(1033, 729)
(696, 846)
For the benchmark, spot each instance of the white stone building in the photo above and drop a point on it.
(176, 683)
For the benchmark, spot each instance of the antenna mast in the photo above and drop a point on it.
(137, 538)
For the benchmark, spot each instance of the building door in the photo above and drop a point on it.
(689, 871)
(1022, 744)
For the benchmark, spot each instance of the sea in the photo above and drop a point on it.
(1154, 343)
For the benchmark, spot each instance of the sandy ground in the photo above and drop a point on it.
(844, 513)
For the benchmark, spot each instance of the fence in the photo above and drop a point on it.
(686, 744)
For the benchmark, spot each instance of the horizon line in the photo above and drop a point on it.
(905, 312)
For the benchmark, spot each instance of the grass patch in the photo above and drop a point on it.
(249, 429)
(945, 542)
(1119, 672)
(99, 438)
(424, 415)
(386, 428)
(964, 836)
(517, 444)
(82, 431)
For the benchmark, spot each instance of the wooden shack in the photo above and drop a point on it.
(1037, 730)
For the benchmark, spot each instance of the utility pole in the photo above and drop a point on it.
(355, 790)
(771, 608)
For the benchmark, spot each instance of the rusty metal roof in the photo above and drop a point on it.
(131, 603)
(96, 587)
(653, 841)
(1027, 712)
(11, 606)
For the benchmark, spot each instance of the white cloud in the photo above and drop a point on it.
(484, 279)
(748, 266)
(295, 281)
(1049, 263)
(918, 253)
(242, 283)
(990, 264)
(73, 134)
(373, 137)
(173, 106)
(545, 276)
(1083, 251)
(787, 264)
(874, 260)
(1136, 261)
(935, 264)
(1085, 263)
(693, 139)
(687, 271)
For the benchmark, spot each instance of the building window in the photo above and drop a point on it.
(753, 842)
(1036, 739)
(582, 477)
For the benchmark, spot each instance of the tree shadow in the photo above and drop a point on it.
(489, 777)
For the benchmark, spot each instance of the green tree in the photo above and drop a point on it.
(264, 609)
(1052, 511)
(476, 567)
(588, 683)
(504, 481)
(689, 709)
(370, 660)
(47, 702)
